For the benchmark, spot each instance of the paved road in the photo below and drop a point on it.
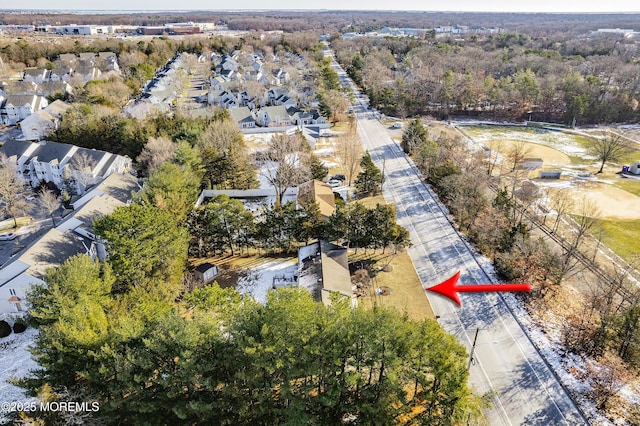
(505, 361)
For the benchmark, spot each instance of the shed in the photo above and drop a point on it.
(550, 174)
(634, 168)
(206, 272)
(531, 163)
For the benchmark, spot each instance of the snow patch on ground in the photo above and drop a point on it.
(257, 282)
(15, 363)
(324, 152)
(563, 142)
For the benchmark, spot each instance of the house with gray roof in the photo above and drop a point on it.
(323, 269)
(74, 235)
(61, 73)
(37, 75)
(19, 107)
(51, 88)
(19, 153)
(63, 164)
(40, 124)
(273, 116)
(242, 117)
(19, 88)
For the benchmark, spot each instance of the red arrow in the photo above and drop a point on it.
(449, 289)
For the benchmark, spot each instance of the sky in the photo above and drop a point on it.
(575, 6)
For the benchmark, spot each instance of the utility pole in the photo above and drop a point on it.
(473, 347)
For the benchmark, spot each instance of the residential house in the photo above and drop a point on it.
(48, 162)
(38, 125)
(280, 76)
(306, 118)
(107, 61)
(87, 72)
(252, 75)
(14, 285)
(273, 116)
(256, 63)
(61, 73)
(220, 83)
(68, 59)
(19, 153)
(315, 191)
(60, 163)
(18, 107)
(252, 199)
(323, 269)
(242, 117)
(229, 74)
(226, 64)
(284, 100)
(87, 57)
(222, 98)
(276, 92)
(71, 237)
(37, 75)
(52, 88)
(20, 88)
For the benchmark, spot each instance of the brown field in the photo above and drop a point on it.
(552, 157)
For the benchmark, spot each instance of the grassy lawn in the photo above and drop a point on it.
(629, 185)
(622, 237)
(371, 202)
(407, 294)
(340, 126)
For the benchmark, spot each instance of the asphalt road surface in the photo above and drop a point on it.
(505, 362)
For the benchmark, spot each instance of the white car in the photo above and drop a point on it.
(7, 236)
(334, 183)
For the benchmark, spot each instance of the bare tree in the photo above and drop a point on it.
(337, 103)
(586, 220)
(10, 188)
(528, 194)
(610, 147)
(189, 62)
(156, 151)
(494, 156)
(348, 152)
(283, 165)
(561, 201)
(81, 170)
(50, 203)
(518, 152)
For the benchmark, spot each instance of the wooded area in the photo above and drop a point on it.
(592, 79)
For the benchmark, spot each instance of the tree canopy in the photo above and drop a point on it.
(220, 359)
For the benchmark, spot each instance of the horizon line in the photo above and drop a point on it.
(89, 11)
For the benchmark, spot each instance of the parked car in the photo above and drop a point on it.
(7, 236)
(334, 183)
(339, 177)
